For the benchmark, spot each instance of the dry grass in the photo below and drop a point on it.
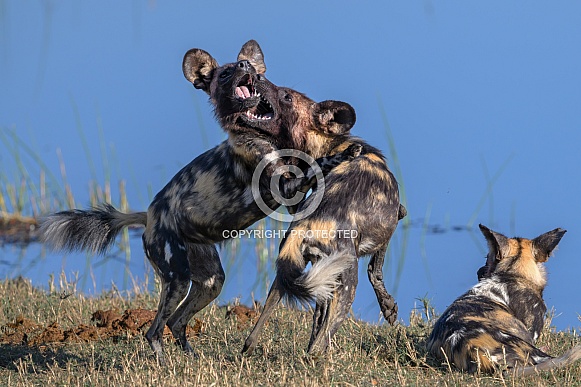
(362, 354)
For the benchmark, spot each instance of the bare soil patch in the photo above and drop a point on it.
(104, 324)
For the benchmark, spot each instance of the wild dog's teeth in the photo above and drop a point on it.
(253, 116)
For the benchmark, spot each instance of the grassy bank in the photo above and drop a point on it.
(361, 354)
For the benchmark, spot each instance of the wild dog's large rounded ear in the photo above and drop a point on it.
(334, 117)
(198, 67)
(546, 243)
(497, 244)
(251, 52)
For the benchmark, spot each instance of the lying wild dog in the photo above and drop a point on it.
(357, 216)
(212, 193)
(497, 322)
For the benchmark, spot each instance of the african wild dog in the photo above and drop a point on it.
(357, 216)
(497, 322)
(212, 193)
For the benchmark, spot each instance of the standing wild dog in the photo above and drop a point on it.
(498, 321)
(357, 216)
(212, 193)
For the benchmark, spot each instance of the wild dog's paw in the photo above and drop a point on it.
(330, 162)
(389, 309)
(353, 151)
(402, 212)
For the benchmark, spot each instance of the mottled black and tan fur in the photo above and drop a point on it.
(357, 216)
(498, 321)
(212, 193)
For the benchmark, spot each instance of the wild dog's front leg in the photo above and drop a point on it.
(290, 186)
(329, 162)
(386, 302)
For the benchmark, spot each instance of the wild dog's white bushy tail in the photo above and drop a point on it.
(566, 359)
(91, 230)
(316, 284)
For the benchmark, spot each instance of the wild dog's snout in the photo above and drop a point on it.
(245, 65)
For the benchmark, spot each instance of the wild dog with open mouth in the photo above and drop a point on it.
(357, 216)
(498, 321)
(212, 193)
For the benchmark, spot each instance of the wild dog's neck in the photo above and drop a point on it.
(250, 149)
(519, 261)
(321, 145)
(541, 280)
(535, 279)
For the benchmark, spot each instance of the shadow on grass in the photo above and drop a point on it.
(18, 357)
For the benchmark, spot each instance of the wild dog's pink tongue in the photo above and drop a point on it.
(242, 92)
(239, 92)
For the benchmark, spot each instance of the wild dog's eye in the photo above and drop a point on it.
(225, 75)
(284, 95)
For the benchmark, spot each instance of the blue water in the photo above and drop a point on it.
(439, 280)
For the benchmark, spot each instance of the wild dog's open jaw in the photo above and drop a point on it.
(242, 92)
(257, 106)
(262, 112)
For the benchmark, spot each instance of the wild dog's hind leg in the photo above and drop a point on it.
(330, 314)
(207, 278)
(274, 297)
(169, 261)
(386, 302)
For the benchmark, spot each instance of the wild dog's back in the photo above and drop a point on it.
(357, 216)
(476, 332)
(363, 195)
(360, 196)
(498, 321)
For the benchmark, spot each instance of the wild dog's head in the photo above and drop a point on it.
(519, 256)
(246, 102)
(315, 127)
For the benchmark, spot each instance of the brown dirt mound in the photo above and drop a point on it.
(243, 314)
(108, 323)
(18, 229)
